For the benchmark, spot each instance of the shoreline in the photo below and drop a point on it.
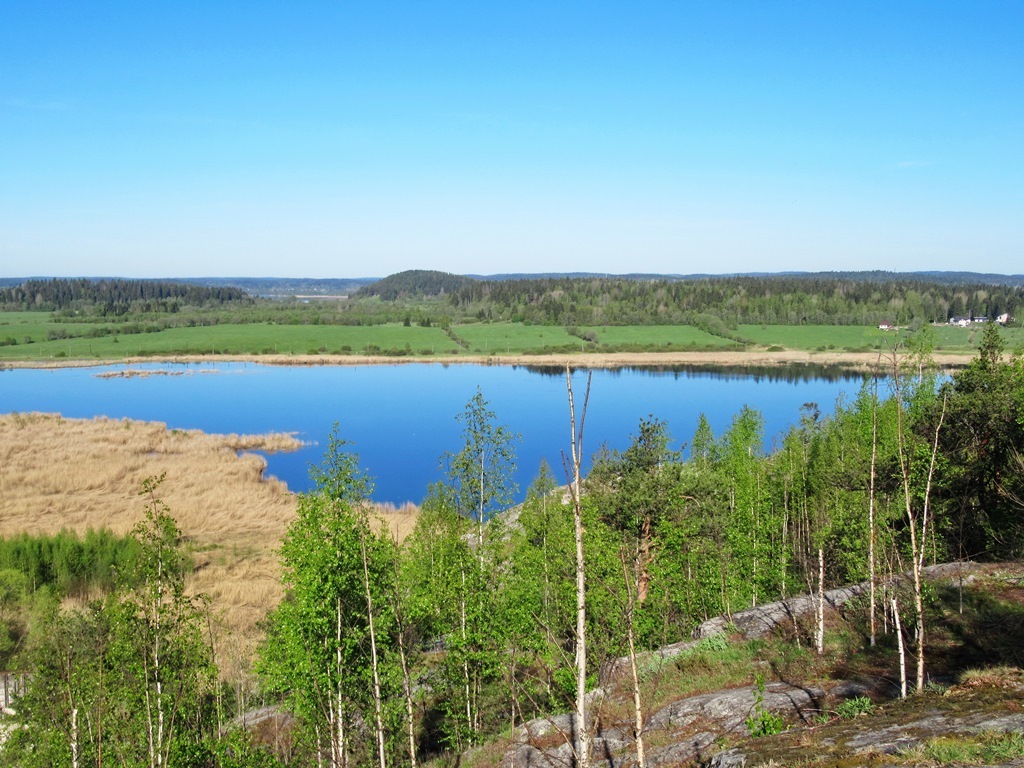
(857, 362)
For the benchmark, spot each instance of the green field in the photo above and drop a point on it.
(817, 337)
(657, 336)
(512, 338)
(248, 339)
(845, 337)
(37, 336)
(21, 326)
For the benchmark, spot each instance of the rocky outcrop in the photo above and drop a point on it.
(688, 728)
(690, 731)
(763, 620)
(850, 739)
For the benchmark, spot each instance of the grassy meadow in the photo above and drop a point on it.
(39, 336)
(658, 337)
(514, 338)
(948, 338)
(817, 337)
(225, 339)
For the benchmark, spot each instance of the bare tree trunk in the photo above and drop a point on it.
(918, 526)
(871, 515)
(902, 648)
(820, 637)
(99, 712)
(919, 563)
(785, 539)
(374, 662)
(465, 661)
(338, 757)
(638, 712)
(74, 737)
(582, 745)
(406, 678)
(480, 513)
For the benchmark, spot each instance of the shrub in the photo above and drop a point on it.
(763, 722)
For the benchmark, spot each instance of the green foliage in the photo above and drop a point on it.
(114, 296)
(763, 722)
(131, 675)
(479, 475)
(319, 651)
(414, 282)
(858, 705)
(982, 440)
(70, 563)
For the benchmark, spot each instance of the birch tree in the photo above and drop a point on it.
(574, 470)
(325, 641)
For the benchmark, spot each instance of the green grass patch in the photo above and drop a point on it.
(245, 339)
(986, 748)
(948, 338)
(968, 339)
(817, 337)
(656, 336)
(513, 338)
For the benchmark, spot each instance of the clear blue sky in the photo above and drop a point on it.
(344, 139)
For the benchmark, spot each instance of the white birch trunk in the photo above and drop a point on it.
(582, 746)
(638, 712)
(465, 662)
(374, 662)
(902, 649)
(872, 600)
(406, 678)
(74, 737)
(820, 637)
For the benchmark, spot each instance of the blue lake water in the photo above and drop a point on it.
(401, 418)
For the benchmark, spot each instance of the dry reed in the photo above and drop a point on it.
(86, 473)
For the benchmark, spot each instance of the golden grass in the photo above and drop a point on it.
(79, 473)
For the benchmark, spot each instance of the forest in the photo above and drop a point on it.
(711, 303)
(490, 614)
(113, 297)
(429, 298)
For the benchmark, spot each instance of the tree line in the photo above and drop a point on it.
(717, 305)
(827, 298)
(114, 296)
(770, 300)
(487, 616)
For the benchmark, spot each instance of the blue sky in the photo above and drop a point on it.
(345, 139)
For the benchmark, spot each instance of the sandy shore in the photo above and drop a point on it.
(753, 359)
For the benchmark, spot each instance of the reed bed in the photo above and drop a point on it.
(86, 473)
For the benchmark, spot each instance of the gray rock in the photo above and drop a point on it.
(731, 758)
(729, 710)
(892, 739)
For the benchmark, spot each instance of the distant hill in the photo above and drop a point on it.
(416, 282)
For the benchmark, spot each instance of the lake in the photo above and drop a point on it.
(401, 418)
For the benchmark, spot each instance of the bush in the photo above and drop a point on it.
(764, 723)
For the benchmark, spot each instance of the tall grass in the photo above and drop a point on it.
(77, 474)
